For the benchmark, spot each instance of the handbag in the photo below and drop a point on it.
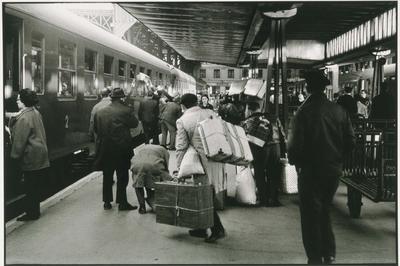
(289, 177)
(191, 164)
(245, 187)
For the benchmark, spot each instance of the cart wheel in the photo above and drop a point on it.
(354, 202)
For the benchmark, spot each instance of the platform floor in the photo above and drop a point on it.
(78, 230)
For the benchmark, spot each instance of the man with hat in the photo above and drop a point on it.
(114, 147)
(321, 134)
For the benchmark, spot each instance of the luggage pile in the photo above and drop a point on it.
(224, 142)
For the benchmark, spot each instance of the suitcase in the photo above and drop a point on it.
(184, 205)
(253, 87)
(214, 138)
(236, 145)
(247, 155)
(289, 177)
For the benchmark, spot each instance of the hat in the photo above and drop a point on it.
(117, 93)
(316, 79)
(105, 91)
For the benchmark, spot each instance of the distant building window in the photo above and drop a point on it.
(132, 71)
(141, 70)
(260, 73)
(90, 73)
(202, 73)
(66, 68)
(37, 63)
(160, 77)
(231, 73)
(149, 72)
(217, 73)
(121, 68)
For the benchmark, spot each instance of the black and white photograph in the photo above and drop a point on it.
(199, 132)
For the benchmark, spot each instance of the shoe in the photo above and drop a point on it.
(215, 236)
(329, 260)
(27, 217)
(107, 206)
(126, 207)
(198, 233)
(142, 210)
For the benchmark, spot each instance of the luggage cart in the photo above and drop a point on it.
(371, 168)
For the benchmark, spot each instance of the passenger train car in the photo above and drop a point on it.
(67, 61)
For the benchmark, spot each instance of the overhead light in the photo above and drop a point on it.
(281, 13)
(254, 51)
(382, 53)
(247, 65)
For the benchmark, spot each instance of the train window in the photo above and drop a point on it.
(66, 69)
(202, 73)
(90, 73)
(149, 72)
(121, 68)
(108, 64)
(217, 73)
(231, 73)
(38, 63)
(132, 71)
(108, 71)
(141, 70)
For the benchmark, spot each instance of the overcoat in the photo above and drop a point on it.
(29, 140)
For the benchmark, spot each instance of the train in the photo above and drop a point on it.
(67, 61)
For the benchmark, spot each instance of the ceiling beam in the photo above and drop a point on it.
(255, 26)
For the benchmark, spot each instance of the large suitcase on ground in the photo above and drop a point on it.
(214, 139)
(184, 205)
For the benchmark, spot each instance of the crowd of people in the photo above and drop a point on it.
(321, 135)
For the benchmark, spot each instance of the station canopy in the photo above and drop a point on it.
(222, 32)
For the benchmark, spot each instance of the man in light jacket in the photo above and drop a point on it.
(321, 135)
(187, 133)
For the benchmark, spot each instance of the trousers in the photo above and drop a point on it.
(165, 128)
(122, 170)
(151, 131)
(316, 195)
(267, 171)
(33, 186)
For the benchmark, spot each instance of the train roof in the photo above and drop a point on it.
(68, 21)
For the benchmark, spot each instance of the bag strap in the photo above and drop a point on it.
(239, 140)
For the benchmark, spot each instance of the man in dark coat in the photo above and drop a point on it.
(170, 112)
(114, 147)
(384, 105)
(149, 113)
(322, 133)
(267, 142)
(348, 102)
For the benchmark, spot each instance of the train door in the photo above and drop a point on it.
(12, 66)
(12, 50)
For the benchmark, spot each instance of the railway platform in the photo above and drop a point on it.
(74, 228)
